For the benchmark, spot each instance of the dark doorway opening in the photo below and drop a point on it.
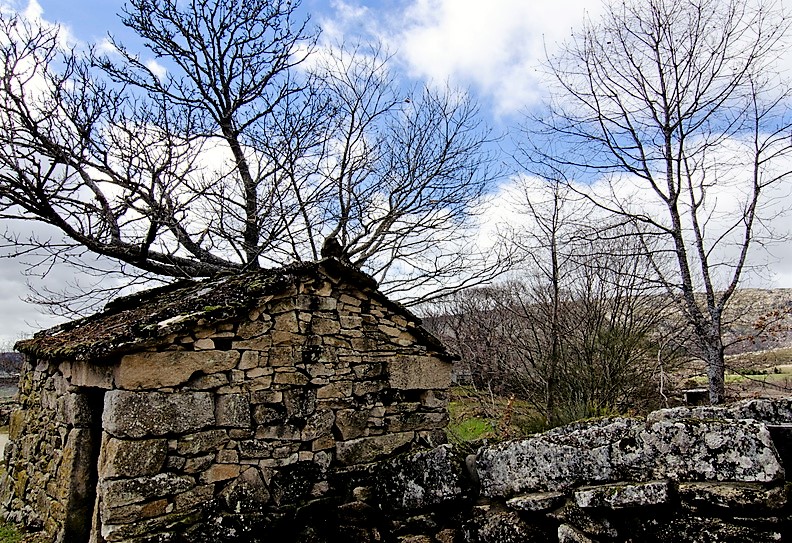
(81, 460)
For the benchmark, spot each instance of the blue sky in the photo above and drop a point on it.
(494, 49)
(491, 50)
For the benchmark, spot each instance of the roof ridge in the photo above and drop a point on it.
(133, 319)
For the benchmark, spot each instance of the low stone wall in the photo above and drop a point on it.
(702, 474)
(679, 475)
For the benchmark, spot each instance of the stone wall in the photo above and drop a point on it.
(702, 474)
(227, 429)
(46, 432)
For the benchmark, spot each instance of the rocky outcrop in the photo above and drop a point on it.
(628, 449)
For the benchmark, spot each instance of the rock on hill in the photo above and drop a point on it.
(759, 319)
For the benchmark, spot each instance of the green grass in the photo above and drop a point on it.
(9, 534)
(469, 429)
(774, 357)
(779, 374)
(476, 415)
(775, 378)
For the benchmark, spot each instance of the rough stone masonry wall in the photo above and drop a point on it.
(48, 437)
(698, 475)
(227, 430)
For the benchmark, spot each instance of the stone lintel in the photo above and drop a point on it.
(86, 374)
(152, 370)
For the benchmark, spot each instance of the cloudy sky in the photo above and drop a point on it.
(495, 51)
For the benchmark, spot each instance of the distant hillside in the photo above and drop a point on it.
(758, 320)
(11, 363)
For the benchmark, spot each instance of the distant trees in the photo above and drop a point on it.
(10, 362)
(241, 143)
(604, 356)
(670, 116)
(580, 334)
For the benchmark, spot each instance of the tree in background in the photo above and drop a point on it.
(670, 116)
(245, 145)
(580, 334)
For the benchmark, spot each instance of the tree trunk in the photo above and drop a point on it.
(716, 369)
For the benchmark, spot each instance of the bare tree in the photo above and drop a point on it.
(592, 323)
(553, 218)
(669, 115)
(473, 324)
(580, 334)
(402, 176)
(241, 145)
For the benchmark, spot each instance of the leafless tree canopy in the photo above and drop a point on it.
(676, 110)
(245, 145)
(581, 333)
(592, 344)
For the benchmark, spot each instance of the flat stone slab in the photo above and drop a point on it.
(120, 492)
(153, 370)
(734, 496)
(368, 449)
(144, 414)
(684, 450)
(778, 411)
(536, 502)
(620, 495)
(418, 372)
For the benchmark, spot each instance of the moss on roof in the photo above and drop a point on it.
(146, 318)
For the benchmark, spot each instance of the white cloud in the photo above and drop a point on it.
(33, 10)
(106, 47)
(769, 262)
(497, 48)
(157, 69)
(346, 16)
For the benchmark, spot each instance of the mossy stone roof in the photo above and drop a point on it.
(146, 318)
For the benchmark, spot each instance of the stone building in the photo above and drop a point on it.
(207, 407)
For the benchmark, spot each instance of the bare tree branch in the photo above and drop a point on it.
(670, 116)
(246, 147)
